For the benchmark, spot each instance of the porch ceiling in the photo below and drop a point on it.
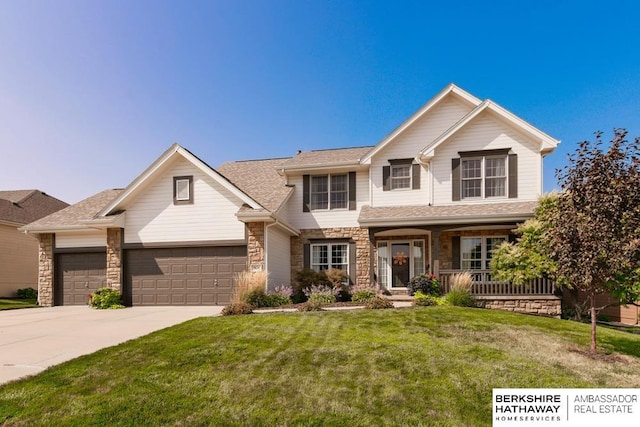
(453, 214)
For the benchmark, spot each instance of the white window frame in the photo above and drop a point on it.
(483, 177)
(186, 182)
(395, 180)
(485, 256)
(329, 192)
(329, 264)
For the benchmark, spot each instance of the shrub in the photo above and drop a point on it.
(306, 278)
(377, 303)
(248, 281)
(256, 298)
(27, 293)
(311, 305)
(340, 283)
(276, 300)
(105, 298)
(237, 308)
(426, 300)
(460, 293)
(460, 299)
(428, 284)
(364, 293)
(320, 294)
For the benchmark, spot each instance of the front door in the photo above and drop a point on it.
(400, 264)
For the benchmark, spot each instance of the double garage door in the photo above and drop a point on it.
(168, 276)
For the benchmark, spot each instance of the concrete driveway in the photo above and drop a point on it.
(33, 339)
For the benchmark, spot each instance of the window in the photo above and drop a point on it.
(329, 192)
(326, 256)
(182, 190)
(400, 176)
(476, 252)
(484, 177)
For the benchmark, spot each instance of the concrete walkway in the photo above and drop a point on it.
(33, 339)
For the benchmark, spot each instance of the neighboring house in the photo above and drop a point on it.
(435, 196)
(18, 251)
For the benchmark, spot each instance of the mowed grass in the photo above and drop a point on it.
(10, 303)
(417, 366)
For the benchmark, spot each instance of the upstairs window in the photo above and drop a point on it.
(329, 192)
(401, 174)
(400, 177)
(182, 190)
(484, 175)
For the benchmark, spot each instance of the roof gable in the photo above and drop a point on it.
(155, 169)
(450, 90)
(547, 143)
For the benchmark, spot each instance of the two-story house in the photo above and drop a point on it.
(434, 196)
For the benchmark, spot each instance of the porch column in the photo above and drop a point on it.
(46, 243)
(436, 253)
(255, 246)
(114, 258)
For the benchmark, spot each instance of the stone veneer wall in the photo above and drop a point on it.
(446, 254)
(114, 259)
(45, 269)
(360, 236)
(539, 305)
(255, 245)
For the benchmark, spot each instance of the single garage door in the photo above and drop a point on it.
(183, 276)
(78, 275)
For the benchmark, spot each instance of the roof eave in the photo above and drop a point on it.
(460, 219)
(318, 167)
(52, 228)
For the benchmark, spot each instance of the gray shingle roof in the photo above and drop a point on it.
(326, 157)
(259, 179)
(25, 206)
(439, 214)
(73, 215)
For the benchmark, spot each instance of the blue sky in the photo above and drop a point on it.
(91, 92)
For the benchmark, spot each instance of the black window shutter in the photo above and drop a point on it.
(415, 178)
(455, 180)
(386, 182)
(306, 249)
(455, 252)
(352, 191)
(513, 176)
(352, 263)
(305, 193)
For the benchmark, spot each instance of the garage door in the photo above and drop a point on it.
(78, 275)
(183, 276)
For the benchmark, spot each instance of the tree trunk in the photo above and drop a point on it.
(593, 321)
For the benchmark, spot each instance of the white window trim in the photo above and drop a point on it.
(483, 246)
(393, 179)
(329, 250)
(483, 177)
(328, 208)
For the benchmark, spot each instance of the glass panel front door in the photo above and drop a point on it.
(400, 264)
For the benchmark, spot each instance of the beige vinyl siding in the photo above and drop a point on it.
(327, 218)
(278, 257)
(93, 238)
(18, 261)
(152, 216)
(407, 146)
(486, 132)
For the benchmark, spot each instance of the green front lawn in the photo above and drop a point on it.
(419, 366)
(10, 303)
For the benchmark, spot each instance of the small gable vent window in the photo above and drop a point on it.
(182, 190)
